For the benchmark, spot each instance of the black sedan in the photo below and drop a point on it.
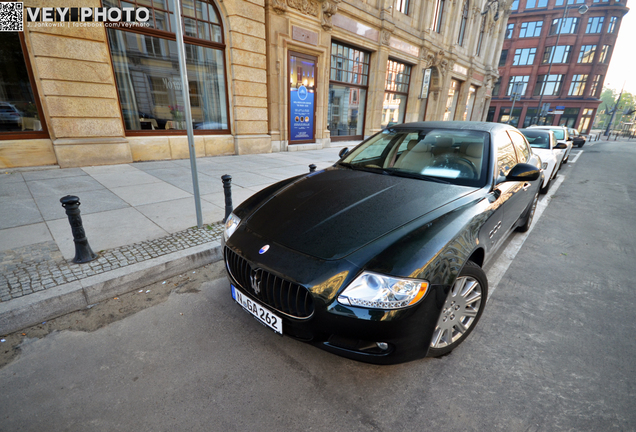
(378, 258)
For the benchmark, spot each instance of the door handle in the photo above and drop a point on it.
(526, 185)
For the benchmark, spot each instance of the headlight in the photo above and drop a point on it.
(231, 224)
(544, 165)
(375, 291)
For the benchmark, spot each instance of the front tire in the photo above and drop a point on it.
(530, 215)
(461, 312)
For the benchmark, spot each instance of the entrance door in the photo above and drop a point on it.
(302, 92)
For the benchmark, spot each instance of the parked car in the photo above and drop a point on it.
(379, 258)
(562, 136)
(577, 139)
(544, 145)
(10, 117)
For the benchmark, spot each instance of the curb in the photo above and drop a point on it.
(45, 305)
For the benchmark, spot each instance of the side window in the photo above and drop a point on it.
(523, 152)
(506, 157)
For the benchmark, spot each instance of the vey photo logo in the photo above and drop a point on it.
(87, 14)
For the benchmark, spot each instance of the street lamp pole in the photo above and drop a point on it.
(582, 9)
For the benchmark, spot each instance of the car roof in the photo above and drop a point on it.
(546, 127)
(462, 125)
(537, 130)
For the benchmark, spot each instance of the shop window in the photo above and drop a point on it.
(20, 113)
(451, 100)
(496, 88)
(530, 117)
(348, 88)
(569, 116)
(506, 117)
(396, 93)
(148, 82)
(491, 114)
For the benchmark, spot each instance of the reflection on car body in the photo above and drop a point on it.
(378, 258)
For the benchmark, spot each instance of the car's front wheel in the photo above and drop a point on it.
(463, 308)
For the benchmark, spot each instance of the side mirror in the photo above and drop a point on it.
(523, 172)
(560, 146)
(343, 152)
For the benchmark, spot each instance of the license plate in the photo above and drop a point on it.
(262, 314)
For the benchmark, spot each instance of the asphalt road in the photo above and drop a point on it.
(554, 350)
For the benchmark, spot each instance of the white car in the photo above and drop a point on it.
(562, 136)
(552, 153)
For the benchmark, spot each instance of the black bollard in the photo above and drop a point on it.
(83, 251)
(227, 191)
(312, 168)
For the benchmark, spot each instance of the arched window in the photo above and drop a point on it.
(145, 62)
(462, 26)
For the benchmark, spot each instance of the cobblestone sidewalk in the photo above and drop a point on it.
(41, 266)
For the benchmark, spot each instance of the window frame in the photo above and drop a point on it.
(537, 25)
(187, 40)
(22, 135)
(578, 84)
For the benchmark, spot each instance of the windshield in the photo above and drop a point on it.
(444, 155)
(558, 134)
(537, 139)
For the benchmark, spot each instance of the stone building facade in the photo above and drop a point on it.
(264, 76)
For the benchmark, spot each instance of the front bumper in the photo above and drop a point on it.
(369, 335)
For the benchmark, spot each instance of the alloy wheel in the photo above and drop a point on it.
(459, 312)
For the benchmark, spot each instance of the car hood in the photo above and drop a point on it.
(332, 213)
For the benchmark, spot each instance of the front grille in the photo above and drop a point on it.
(280, 294)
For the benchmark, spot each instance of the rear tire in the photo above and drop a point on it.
(461, 311)
(544, 190)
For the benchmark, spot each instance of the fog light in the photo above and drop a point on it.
(382, 345)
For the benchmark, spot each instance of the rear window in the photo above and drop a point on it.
(537, 139)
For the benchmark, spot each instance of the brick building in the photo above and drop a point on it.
(560, 54)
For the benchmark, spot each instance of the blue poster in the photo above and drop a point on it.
(301, 114)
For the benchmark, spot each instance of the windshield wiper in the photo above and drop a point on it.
(363, 168)
(408, 174)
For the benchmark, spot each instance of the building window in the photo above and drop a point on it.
(569, 116)
(149, 85)
(462, 26)
(438, 20)
(567, 26)
(531, 29)
(601, 1)
(549, 85)
(596, 84)
(577, 86)
(398, 76)
(524, 56)
(348, 88)
(451, 100)
(558, 54)
(480, 40)
(605, 54)
(19, 105)
(509, 30)
(611, 28)
(518, 79)
(570, 2)
(594, 25)
(402, 6)
(503, 57)
(531, 4)
(506, 117)
(515, 5)
(586, 55)
(496, 88)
